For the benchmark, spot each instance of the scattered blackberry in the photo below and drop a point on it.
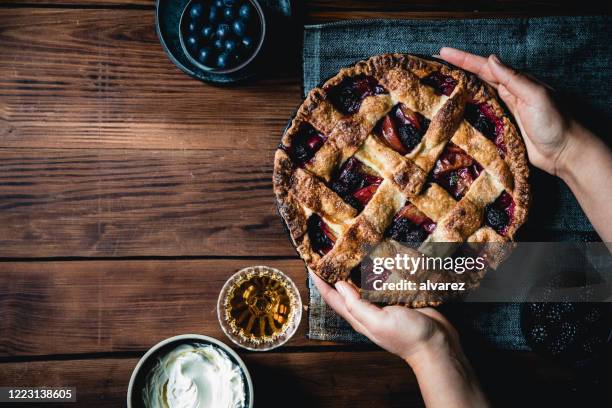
(537, 309)
(538, 334)
(556, 347)
(592, 345)
(567, 307)
(554, 314)
(496, 218)
(568, 332)
(593, 315)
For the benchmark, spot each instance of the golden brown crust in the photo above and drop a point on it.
(301, 192)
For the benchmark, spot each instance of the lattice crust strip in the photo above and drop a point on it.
(404, 176)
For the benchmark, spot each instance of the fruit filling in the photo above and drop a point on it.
(350, 92)
(322, 239)
(443, 84)
(356, 183)
(305, 144)
(455, 170)
(499, 214)
(410, 226)
(402, 129)
(481, 116)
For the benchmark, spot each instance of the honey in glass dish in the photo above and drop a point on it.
(259, 308)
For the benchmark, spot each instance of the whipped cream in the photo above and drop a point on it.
(195, 375)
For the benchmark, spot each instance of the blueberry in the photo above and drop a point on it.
(204, 55)
(228, 13)
(218, 44)
(223, 31)
(213, 14)
(229, 2)
(239, 28)
(196, 11)
(245, 11)
(222, 60)
(192, 42)
(192, 27)
(230, 45)
(207, 32)
(219, 3)
(247, 43)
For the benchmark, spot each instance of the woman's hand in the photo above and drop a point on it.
(546, 131)
(556, 143)
(422, 337)
(405, 332)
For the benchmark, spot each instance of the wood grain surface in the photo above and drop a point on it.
(129, 192)
(116, 202)
(118, 306)
(100, 79)
(327, 379)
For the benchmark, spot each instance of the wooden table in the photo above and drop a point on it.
(130, 192)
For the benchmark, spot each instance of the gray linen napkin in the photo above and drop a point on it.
(572, 54)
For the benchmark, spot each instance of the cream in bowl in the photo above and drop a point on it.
(190, 371)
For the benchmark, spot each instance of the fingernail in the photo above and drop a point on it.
(343, 290)
(496, 59)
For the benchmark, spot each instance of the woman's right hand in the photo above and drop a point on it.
(555, 143)
(547, 132)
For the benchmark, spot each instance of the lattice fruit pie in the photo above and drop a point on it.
(391, 155)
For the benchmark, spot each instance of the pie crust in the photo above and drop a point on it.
(304, 189)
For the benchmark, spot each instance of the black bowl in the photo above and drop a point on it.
(280, 19)
(261, 22)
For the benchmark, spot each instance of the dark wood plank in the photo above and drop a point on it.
(99, 78)
(327, 379)
(118, 306)
(73, 202)
(322, 379)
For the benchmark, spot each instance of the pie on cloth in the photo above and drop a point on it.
(391, 155)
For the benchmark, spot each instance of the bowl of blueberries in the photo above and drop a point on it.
(222, 36)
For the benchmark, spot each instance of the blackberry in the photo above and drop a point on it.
(538, 334)
(301, 154)
(348, 94)
(415, 237)
(568, 332)
(405, 231)
(567, 307)
(554, 314)
(593, 315)
(477, 119)
(353, 202)
(537, 309)
(496, 218)
(349, 180)
(409, 135)
(556, 347)
(319, 241)
(347, 101)
(592, 345)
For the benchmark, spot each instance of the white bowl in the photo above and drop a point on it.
(149, 360)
